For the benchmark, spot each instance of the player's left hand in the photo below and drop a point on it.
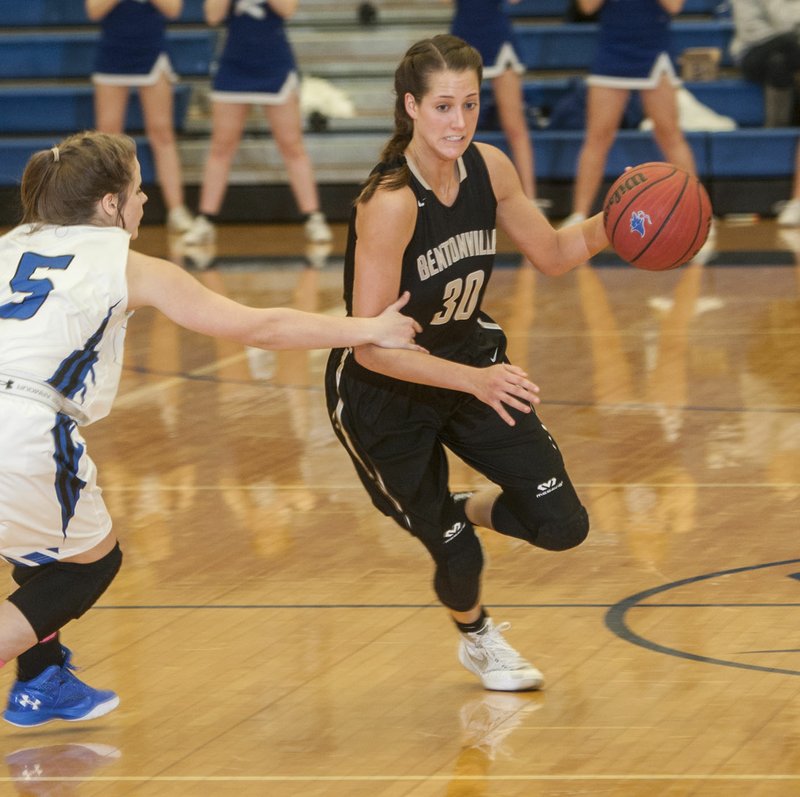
(504, 385)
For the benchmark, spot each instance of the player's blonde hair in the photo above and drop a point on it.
(412, 76)
(62, 185)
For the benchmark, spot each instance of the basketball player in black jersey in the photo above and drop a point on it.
(426, 221)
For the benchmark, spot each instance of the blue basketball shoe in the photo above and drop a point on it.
(56, 694)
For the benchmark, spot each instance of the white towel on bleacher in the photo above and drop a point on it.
(693, 115)
(320, 95)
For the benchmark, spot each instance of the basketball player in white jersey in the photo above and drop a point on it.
(68, 283)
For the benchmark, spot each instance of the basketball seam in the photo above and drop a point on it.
(694, 248)
(624, 210)
(698, 210)
(668, 217)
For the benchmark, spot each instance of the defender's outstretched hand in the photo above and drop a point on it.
(395, 330)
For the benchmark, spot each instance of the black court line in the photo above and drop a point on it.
(346, 606)
(725, 258)
(630, 406)
(616, 619)
(607, 606)
(608, 258)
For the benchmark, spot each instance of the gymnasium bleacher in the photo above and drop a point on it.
(46, 56)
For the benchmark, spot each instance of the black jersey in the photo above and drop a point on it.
(448, 262)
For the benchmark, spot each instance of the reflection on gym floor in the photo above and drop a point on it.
(271, 633)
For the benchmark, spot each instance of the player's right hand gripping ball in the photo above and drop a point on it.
(657, 216)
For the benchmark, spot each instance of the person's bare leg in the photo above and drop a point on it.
(796, 181)
(227, 125)
(511, 112)
(287, 129)
(157, 107)
(604, 110)
(110, 106)
(661, 106)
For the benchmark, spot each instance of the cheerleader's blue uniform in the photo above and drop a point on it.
(634, 46)
(132, 50)
(485, 25)
(257, 65)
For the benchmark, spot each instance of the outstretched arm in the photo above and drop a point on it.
(158, 283)
(551, 251)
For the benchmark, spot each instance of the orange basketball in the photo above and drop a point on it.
(657, 216)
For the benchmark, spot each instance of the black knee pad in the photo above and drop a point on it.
(567, 534)
(51, 595)
(515, 516)
(458, 572)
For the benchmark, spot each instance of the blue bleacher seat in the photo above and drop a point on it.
(65, 109)
(558, 8)
(70, 54)
(761, 153)
(55, 43)
(36, 13)
(15, 152)
(41, 13)
(557, 151)
(758, 152)
(739, 99)
(571, 46)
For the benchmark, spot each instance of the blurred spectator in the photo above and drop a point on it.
(766, 46)
(132, 54)
(487, 27)
(257, 67)
(633, 54)
(790, 214)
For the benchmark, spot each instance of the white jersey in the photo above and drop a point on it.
(63, 308)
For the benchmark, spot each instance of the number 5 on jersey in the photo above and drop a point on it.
(36, 288)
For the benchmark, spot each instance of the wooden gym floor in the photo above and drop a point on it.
(271, 634)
